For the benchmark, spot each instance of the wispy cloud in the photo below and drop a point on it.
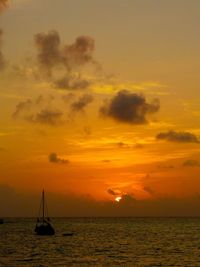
(180, 137)
(46, 116)
(81, 103)
(191, 163)
(39, 110)
(68, 59)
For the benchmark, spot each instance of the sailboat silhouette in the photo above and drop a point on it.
(43, 224)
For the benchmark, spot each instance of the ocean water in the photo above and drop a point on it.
(102, 242)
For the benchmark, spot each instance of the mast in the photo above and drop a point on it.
(43, 206)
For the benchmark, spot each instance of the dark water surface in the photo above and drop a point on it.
(103, 242)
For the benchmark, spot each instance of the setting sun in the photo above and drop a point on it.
(117, 199)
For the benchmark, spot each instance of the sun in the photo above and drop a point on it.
(117, 199)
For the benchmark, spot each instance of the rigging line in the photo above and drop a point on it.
(40, 208)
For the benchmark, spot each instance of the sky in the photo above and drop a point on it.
(100, 105)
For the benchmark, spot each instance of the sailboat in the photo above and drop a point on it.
(43, 224)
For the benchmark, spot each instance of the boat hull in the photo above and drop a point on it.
(44, 229)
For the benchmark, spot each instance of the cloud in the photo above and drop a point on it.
(127, 200)
(106, 160)
(49, 53)
(83, 205)
(46, 116)
(182, 137)
(139, 146)
(121, 144)
(68, 98)
(149, 190)
(2, 59)
(68, 59)
(165, 166)
(114, 192)
(87, 130)
(129, 108)
(80, 52)
(21, 107)
(81, 103)
(39, 110)
(71, 82)
(55, 159)
(191, 163)
(3, 5)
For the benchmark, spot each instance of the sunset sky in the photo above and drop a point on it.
(100, 99)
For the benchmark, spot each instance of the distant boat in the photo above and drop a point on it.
(1, 221)
(43, 225)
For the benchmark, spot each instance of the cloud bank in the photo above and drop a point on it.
(21, 204)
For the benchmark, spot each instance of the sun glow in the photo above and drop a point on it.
(117, 199)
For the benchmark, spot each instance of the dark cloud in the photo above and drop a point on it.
(71, 82)
(114, 192)
(191, 163)
(72, 58)
(184, 137)
(49, 53)
(80, 52)
(81, 103)
(55, 159)
(129, 107)
(46, 116)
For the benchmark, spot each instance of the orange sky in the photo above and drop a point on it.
(100, 100)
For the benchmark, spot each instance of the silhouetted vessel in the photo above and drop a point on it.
(1, 221)
(43, 225)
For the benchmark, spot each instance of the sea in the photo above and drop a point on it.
(102, 242)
